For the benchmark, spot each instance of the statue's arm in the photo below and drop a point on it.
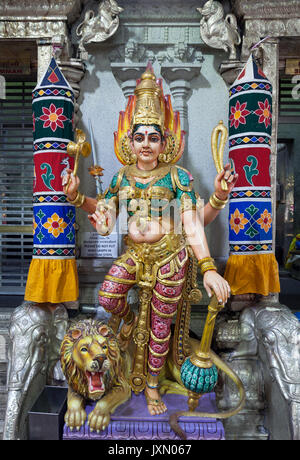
(196, 238)
(231, 178)
(102, 213)
(192, 220)
(71, 190)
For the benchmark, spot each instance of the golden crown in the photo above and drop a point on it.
(149, 106)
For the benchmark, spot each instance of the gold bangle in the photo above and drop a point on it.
(216, 203)
(79, 200)
(204, 260)
(157, 340)
(219, 201)
(207, 268)
(207, 263)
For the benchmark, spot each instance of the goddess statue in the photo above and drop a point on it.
(158, 252)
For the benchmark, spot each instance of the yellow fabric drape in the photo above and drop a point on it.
(53, 281)
(252, 274)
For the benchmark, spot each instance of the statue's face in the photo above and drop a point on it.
(147, 144)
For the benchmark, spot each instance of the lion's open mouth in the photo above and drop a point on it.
(95, 381)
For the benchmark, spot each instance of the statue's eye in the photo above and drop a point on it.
(84, 350)
(154, 138)
(139, 138)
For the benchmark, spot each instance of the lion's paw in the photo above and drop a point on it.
(98, 420)
(75, 418)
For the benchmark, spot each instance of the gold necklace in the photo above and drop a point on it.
(134, 171)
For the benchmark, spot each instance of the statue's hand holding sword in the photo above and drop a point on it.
(80, 147)
(99, 214)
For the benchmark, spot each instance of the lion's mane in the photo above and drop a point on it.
(75, 376)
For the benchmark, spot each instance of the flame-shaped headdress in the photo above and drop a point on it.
(149, 106)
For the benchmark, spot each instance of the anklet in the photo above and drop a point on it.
(152, 381)
(153, 387)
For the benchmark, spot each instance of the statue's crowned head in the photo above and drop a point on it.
(148, 106)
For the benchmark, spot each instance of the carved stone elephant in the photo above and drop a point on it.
(36, 332)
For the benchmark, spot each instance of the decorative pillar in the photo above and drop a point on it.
(251, 267)
(44, 54)
(127, 74)
(179, 77)
(229, 71)
(52, 275)
(271, 69)
(74, 70)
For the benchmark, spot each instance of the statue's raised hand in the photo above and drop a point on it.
(73, 181)
(230, 179)
(102, 219)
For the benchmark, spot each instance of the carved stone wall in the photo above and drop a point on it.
(171, 41)
(46, 22)
(66, 10)
(266, 10)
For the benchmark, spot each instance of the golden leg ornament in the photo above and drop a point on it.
(141, 337)
(148, 258)
(190, 294)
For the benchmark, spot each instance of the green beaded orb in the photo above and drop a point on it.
(197, 379)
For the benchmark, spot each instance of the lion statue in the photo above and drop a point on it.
(96, 370)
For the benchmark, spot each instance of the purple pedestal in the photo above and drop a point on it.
(131, 421)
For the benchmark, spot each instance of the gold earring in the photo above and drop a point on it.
(126, 150)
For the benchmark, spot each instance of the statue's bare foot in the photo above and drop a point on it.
(125, 334)
(154, 402)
